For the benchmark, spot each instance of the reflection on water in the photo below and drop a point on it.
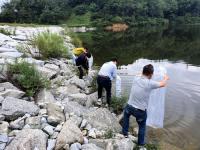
(174, 48)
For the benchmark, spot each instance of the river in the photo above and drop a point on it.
(176, 48)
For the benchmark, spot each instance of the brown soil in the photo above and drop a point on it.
(117, 27)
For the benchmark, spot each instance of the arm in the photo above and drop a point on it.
(163, 83)
(114, 73)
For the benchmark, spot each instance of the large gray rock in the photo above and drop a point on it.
(91, 99)
(8, 89)
(51, 144)
(13, 108)
(55, 114)
(4, 127)
(12, 93)
(102, 119)
(90, 147)
(52, 67)
(67, 90)
(29, 139)
(17, 124)
(74, 107)
(114, 144)
(75, 146)
(8, 85)
(80, 98)
(5, 49)
(69, 134)
(46, 72)
(34, 122)
(4, 38)
(44, 97)
(3, 138)
(11, 54)
(78, 82)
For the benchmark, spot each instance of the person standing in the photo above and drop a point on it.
(82, 63)
(106, 74)
(138, 102)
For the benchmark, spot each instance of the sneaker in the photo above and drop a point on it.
(142, 148)
(99, 102)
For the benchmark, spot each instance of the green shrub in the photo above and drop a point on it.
(76, 41)
(4, 31)
(108, 134)
(118, 104)
(26, 77)
(50, 45)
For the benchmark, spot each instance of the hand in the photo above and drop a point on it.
(166, 77)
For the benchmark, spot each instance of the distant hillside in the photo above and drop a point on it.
(102, 12)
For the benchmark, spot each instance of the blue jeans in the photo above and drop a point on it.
(141, 117)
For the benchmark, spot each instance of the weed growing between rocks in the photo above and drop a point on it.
(50, 45)
(109, 134)
(26, 77)
(118, 104)
(8, 32)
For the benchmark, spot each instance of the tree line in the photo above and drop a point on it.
(132, 12)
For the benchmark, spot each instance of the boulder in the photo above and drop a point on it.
(11, 54)
(80, 98)
(4, 38)
(4, 127)
(78, 82)
(12, 93)
(74, 107)
(13, 108)
(52, 67)
(67, 90)
(3, 138)
(76, 120)
(8, 85)
(114, 144)
(102, 119)
(17, 124)
(46, 72)
(55, 114)
(44, 97)
(34, 122)
(29, 139)
(5, 49)
(49, 129)
(75, 146)
(90, 147)
(51, 144)
(8, 89)
(69, 134)
(91, 99)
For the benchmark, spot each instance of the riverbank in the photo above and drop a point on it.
(61, 115)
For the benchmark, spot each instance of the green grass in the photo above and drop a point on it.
(23, 24)
(50, 45)
(26, 77)
(109, 134)
(77, 21)
(76, 41)
(7, 32)
(118, 104)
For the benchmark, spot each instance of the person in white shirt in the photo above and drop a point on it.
(106, 74)
(138, 102)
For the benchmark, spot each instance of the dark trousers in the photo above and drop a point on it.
(80, 72)
(104, 82)
(141, 117)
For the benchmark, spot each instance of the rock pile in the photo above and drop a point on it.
(62, 117)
